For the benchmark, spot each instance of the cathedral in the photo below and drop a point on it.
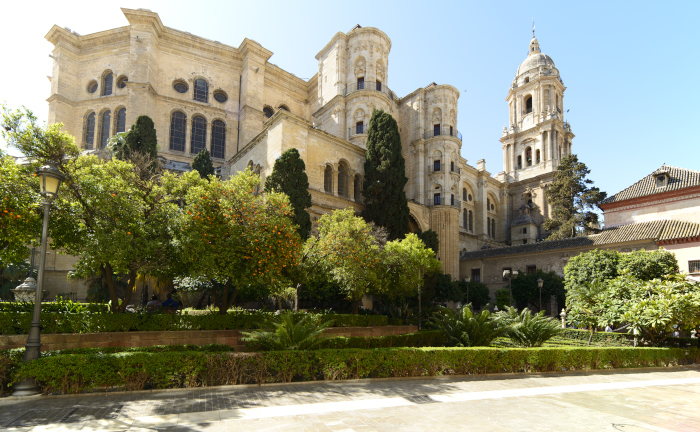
(246, 111)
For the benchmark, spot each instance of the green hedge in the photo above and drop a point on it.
(431, 338)
(615, 339)
(55, 306)
(139, 370)
(85, 322)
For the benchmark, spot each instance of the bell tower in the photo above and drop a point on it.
(536, 137)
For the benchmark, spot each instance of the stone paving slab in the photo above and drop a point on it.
(635, 401)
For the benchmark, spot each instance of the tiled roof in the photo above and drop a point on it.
(679, 178)
(654, 230)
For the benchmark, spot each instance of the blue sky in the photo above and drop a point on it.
(630, 67)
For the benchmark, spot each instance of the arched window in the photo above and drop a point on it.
(218, 139)
(343, 181)
(470, 227)
(198, 141)
(488, 203)
(178, 124)
(107, 80)
(268, 111)
(201, 90)
(328, 179)
(493, 228)
(464, 218)
(358, 188)
(121, 120)
(528, 156)
(520, 162)
(527, 80)
(284, 107)
(537, 156)
(528, 105)
(105, 123)
(488, 226)
(90, 130)
(464, 195)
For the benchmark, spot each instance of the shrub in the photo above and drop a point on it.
(465, 328)
(289, 332)
(432, 338)
(528, 329)
(139, 370)
(86, 322)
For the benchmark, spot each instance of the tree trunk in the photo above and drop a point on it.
(356, 307)
(144, 293)
(296, 298)
(129, 290)
(106, 270)
(590, 337)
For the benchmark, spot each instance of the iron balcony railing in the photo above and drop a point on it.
(456, 170)
(433, 169)
(443, 131)
(445, 201)
(369, 86)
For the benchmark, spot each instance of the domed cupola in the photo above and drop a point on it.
(535, 59)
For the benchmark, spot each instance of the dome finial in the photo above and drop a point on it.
(533, 28)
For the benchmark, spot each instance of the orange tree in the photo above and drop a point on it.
(352, 255)
(235, 237)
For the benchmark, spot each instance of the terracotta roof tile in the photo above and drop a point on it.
(679, 178)
(654, 230)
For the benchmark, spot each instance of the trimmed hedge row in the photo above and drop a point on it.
(139, 370)
(84, 322)
(627, 339)
(431, 338)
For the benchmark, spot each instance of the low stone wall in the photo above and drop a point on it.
(197, 337)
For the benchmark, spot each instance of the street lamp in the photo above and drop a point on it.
(540, 282)
(563, 318)
(510, 275)
(50, 179)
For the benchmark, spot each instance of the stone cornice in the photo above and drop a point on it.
(251, 48)
(431, 89)
(146, 18)
(331, 43)
(179, 39)
(330, 104)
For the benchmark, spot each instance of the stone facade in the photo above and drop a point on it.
(247, 111)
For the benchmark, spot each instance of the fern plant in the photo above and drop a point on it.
(289, 332)
(528, 329)
(466, 328)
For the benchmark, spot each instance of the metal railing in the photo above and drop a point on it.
(443, 131)
(558, 110)
(445, 201)
(369, 86)
(456, 170)
(434, 169)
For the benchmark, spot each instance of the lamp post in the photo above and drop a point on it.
(540, 282)
(50, 179)
(510, 275)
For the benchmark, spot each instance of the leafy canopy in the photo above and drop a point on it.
(141, 138)
(385, 176)
(235, 237)
(289, 176)
(573, 201)
(202, 164)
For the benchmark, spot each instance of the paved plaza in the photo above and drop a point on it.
(633, 401)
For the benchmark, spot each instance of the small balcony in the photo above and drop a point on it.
(527, 111)
(445, 201)
(357, 130)
(369, 86)
(436, 168)
(443, 131)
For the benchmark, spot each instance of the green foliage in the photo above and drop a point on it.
(528, 329)
(234, 237)
(526, 292)
(407, 261)
(466, 328)
(60, 306)
(649, 265)
(589, 266)
(502, 298)
(448, 290)
(140, 370)
(432, 338)
(289, 177)
(140, 139)
(477, 294)
(573, 201)
(289, 332)
(95, 320)
(202, 164)
(430, 238)
(385, 176)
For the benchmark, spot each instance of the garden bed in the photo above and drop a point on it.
(74, 373)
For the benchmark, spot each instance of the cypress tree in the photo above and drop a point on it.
(289, 176)
(202, 164)
(141, 138)
(430, 238)
(385, 176)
